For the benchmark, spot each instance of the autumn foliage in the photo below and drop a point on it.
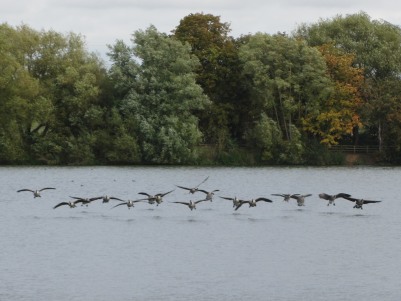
(340, 113)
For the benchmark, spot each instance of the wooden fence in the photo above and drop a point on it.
(350, 149)
(356, 149)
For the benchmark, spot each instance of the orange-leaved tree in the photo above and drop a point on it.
(339, 114)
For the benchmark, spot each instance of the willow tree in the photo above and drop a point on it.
(156, 81)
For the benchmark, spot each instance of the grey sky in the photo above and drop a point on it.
(101, 22)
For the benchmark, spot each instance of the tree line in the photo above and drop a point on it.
(201, 96)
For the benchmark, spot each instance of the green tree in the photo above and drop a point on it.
(156, 80)
(70, 78)
(21, 102)
(376, 45)
(287, 81)
(51, 97)
(219, 74)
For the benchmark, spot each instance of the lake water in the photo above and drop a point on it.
(275, 251)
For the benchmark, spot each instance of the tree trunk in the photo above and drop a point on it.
(379, 135)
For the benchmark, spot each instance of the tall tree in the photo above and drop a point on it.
(157, 82)
(51, 96)
(219, 74)
(340, 113)
(70, 80)
(376, 45)
(288, 81)
(22, 107)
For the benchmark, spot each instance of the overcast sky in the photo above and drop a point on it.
(102, 22)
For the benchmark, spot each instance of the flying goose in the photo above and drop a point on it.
(36, 193)
(194, 189)
(128, 203)
(71, 204)
(360, 202)
(252, 203)
(300, 198)
(158, 198)
(106, 198)
(191, 204)
(209, 194)
(236, 201)
(332, 197)
(86, 201)
(285, 196)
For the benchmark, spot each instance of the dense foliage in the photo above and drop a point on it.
(376, 48)
(200, 96)
(161, 95)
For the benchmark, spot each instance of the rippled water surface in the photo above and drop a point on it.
(275, 251)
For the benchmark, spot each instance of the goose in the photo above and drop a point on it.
(106, 198)
(300, 198)
(285, 196)
(71, 204)
(209, 194)
(86, 201)
(191, 204)
(360, 202)
(194, 189)
(332, 197)
(128, 203)
(36, 193)
(157, 198)
(236, 201)
(252, 203)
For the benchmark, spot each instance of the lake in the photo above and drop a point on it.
(274, 251)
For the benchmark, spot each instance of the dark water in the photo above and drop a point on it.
(276, 251)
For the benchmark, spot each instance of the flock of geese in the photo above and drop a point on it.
(208, 196)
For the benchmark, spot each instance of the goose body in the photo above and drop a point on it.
(86, 201)
(106, 198)
(209, 194)
(252, 202)
(151, 199)
(300, 198)
(36, 193)
(332, 197)
(157, 198)
(360, 202)
(71, 204)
